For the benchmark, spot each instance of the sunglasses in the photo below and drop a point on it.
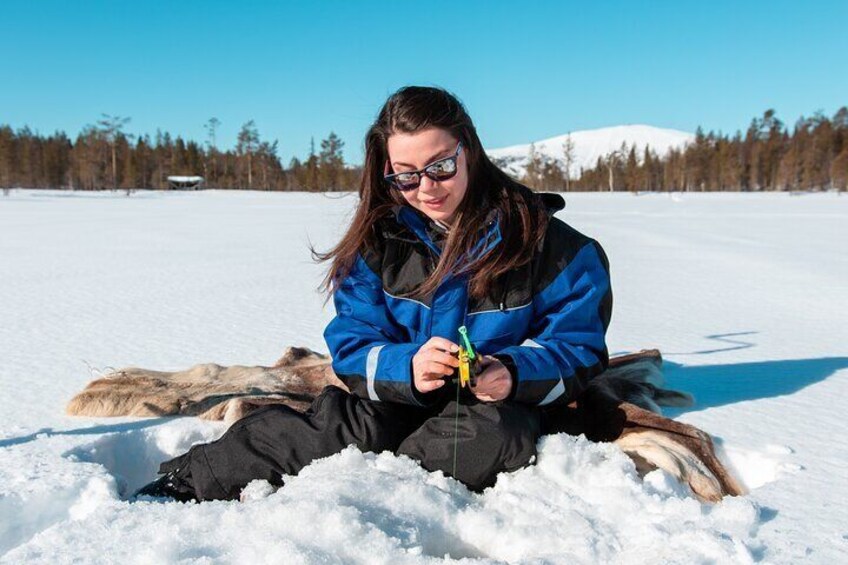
(440, 170)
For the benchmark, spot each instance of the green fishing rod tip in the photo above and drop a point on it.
(463, 334)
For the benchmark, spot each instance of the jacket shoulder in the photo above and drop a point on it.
(373, 253)
(390, 248)
(560, 246)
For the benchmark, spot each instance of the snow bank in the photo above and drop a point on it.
(582, 503)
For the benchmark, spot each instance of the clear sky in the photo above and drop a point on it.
(525, 70)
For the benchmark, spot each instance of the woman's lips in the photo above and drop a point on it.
(435, 203)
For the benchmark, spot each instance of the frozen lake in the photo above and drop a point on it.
(745, 295)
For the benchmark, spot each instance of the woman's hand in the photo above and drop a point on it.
(433, 362)
(494, 382)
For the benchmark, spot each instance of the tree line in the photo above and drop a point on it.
(813, 156)
(103, 156)
(768, 156)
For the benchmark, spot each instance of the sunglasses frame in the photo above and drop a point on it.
(390, 178)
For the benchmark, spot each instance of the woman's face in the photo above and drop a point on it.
(438, 200)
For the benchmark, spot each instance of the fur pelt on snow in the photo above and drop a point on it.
(621, 405)
(209, 391)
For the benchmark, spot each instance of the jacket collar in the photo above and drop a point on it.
(552, 202)
(429, 233)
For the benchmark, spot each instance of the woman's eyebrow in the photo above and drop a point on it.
(428, 161)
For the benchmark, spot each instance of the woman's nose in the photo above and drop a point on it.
(426, 183)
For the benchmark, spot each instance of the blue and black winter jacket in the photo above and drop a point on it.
(549, 317)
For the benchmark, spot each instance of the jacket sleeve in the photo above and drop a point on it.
(567, 345)
(371, 353)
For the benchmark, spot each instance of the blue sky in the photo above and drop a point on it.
(525, 70)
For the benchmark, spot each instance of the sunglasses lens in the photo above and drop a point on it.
(442, 170)
(406, 181)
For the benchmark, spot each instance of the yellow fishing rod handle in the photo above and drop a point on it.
(464, 367)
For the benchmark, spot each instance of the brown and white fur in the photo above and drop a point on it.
(209, 391)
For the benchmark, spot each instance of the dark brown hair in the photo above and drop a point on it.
(523, 219)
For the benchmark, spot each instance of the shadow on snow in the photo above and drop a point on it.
(92, 430)
(719, 385)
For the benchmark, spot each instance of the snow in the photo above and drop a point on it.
(185, 179)
(743, 293)
(589, 145)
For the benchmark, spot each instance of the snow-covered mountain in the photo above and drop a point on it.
(589, 145)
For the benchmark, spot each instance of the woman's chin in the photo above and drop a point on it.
(443, 216)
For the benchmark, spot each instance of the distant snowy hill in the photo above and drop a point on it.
(589, 145)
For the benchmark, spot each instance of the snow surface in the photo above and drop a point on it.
(744, 294)
(589, 145)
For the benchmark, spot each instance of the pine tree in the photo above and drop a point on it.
(651, 177)
(631, 171)
(248, 141)
(164, 157)
(268, 159)
(143, 173)
(111, 127)
(210, 166)
(91, 159)
(7, 152)
(126, 158)
(331, 162)
(311, 166)
(295, 176)
(839, 170)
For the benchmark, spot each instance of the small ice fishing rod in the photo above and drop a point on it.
(469, 360)
(469, 368)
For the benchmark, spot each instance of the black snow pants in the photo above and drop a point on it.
(276, 440)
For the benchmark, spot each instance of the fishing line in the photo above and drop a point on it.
(456, 430)
(469, 364)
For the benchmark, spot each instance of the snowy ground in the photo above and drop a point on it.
(744, 294)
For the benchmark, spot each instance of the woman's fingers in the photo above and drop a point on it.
(442, 357)
(428, 385)
(430, 381)
(494, 383)
(433, 362)
(437, 368)
(441, 343)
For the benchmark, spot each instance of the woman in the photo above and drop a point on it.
(441, 239)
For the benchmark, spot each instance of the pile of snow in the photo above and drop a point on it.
(577, 504)
(589, 146)
(744, 294)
